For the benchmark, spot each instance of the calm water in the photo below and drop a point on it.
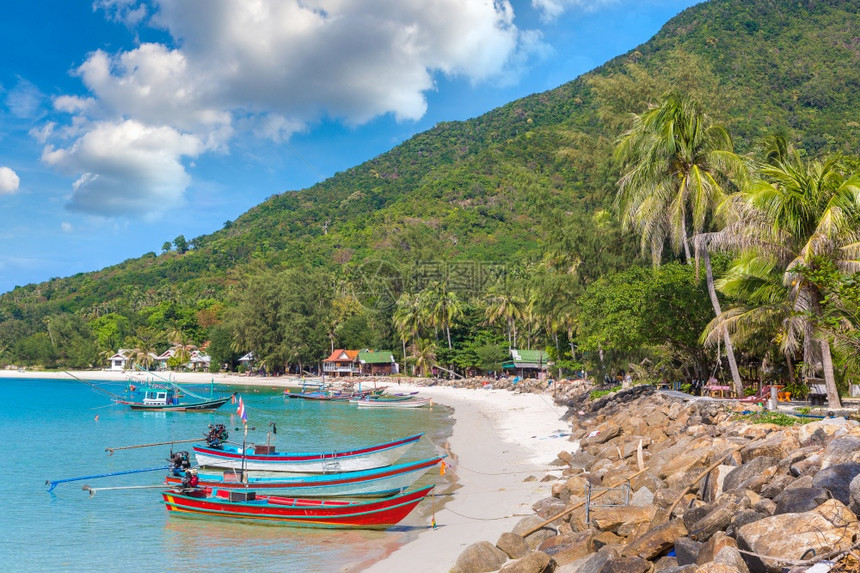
(57, 429)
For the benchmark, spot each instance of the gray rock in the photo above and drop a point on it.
(536, 538)
(687, 551)
(595, 563)
(854, 490)
(548, 507)
(799, 500)
(631, 564)
(479, 557)
(841, 450)
(837, 480)
(751, 470)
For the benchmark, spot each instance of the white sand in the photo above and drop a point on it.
(499, 439)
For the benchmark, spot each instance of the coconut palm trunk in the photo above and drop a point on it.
(737, 382)
(829, 377)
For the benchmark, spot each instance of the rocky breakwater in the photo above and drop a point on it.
(665, 484)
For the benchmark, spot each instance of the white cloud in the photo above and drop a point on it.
(66, 227)
(284, 63)
(25, 100)
(551, 9)
(127, 168)
(9, 181)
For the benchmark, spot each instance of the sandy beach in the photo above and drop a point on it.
(499, 439)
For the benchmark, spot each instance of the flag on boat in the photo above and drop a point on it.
(241, 410)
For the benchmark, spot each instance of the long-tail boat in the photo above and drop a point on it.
(264, 458)
(296, 512)
(412, 402)
(377, 482)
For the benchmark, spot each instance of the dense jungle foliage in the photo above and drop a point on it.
(499, 231)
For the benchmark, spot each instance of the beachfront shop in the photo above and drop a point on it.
(526, 364)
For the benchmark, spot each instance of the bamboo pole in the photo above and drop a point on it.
(93, 490)
(720, 460)
(580, 504)
(112, 450)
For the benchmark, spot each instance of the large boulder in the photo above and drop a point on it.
(512, 544)
(568, 548)
(840, 450)
(613, 518)
(752, 470)
(536, 538)
(479, 557)
(799, 500)
(537, 562)
(792, 535)
(630, 564)
(837, 480)
(656, 540)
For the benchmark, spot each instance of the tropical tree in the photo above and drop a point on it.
(424, 354)
(444, 308)
(677, 168)
(407, 319)
(799, 213)
(507, 306)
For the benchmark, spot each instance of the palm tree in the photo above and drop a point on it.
(677, 167)
(444, 308)
(407, 319)
(504, 304)
(424, 353)
(799, 213)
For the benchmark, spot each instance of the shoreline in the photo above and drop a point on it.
(499, 438)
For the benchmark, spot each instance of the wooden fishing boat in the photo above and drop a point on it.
(412, 402)
(295, 512)
(264, 458)
(368, 483)
(167, 399)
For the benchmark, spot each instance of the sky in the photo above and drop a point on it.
(126, 123)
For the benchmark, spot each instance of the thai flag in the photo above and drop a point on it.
(241, 410)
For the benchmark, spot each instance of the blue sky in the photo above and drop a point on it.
(125, 123)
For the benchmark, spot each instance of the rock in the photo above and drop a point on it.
(841, 450)
(665, 564)
(612, 518)
(597, 561)
(479, 557)
(837, 480)
(854, 490)
(731, 557)
(713, 546)
(775, 445)
(581, 460)
(799, 500)
(715, 520)
(712, 484)
(512, 544)
(565, 456)
(818, 431)
(576, 486)
(687, 550)
(656, 540)
(741, 518)
(791, 535)
(537, 562)
(568, 548)
(536, 538)
(642, 497)
(714, 567)
(751, 470)
(604, 538)
(548, 507)
(631, 564)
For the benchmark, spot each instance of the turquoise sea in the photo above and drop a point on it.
(57, 429)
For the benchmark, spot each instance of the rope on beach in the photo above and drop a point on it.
(487, 518)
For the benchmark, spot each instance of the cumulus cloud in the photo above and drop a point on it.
(283, 63)
(9, 181)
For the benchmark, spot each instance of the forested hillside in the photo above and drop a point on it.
(524, 191)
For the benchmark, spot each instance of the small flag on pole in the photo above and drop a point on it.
(241, 411)
(441, 468)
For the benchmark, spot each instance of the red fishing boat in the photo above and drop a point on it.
(295, 512)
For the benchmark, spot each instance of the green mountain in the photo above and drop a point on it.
(531, 179)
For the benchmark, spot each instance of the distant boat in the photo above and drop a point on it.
(377, 482)
(166, 396)
(412, 402)
(295, 512)
(264, 458)
(167, 399)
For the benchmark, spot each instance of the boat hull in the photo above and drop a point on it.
(370, 483)
(188, 407)
(296, 512)
(414, 403)
(369, 458)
